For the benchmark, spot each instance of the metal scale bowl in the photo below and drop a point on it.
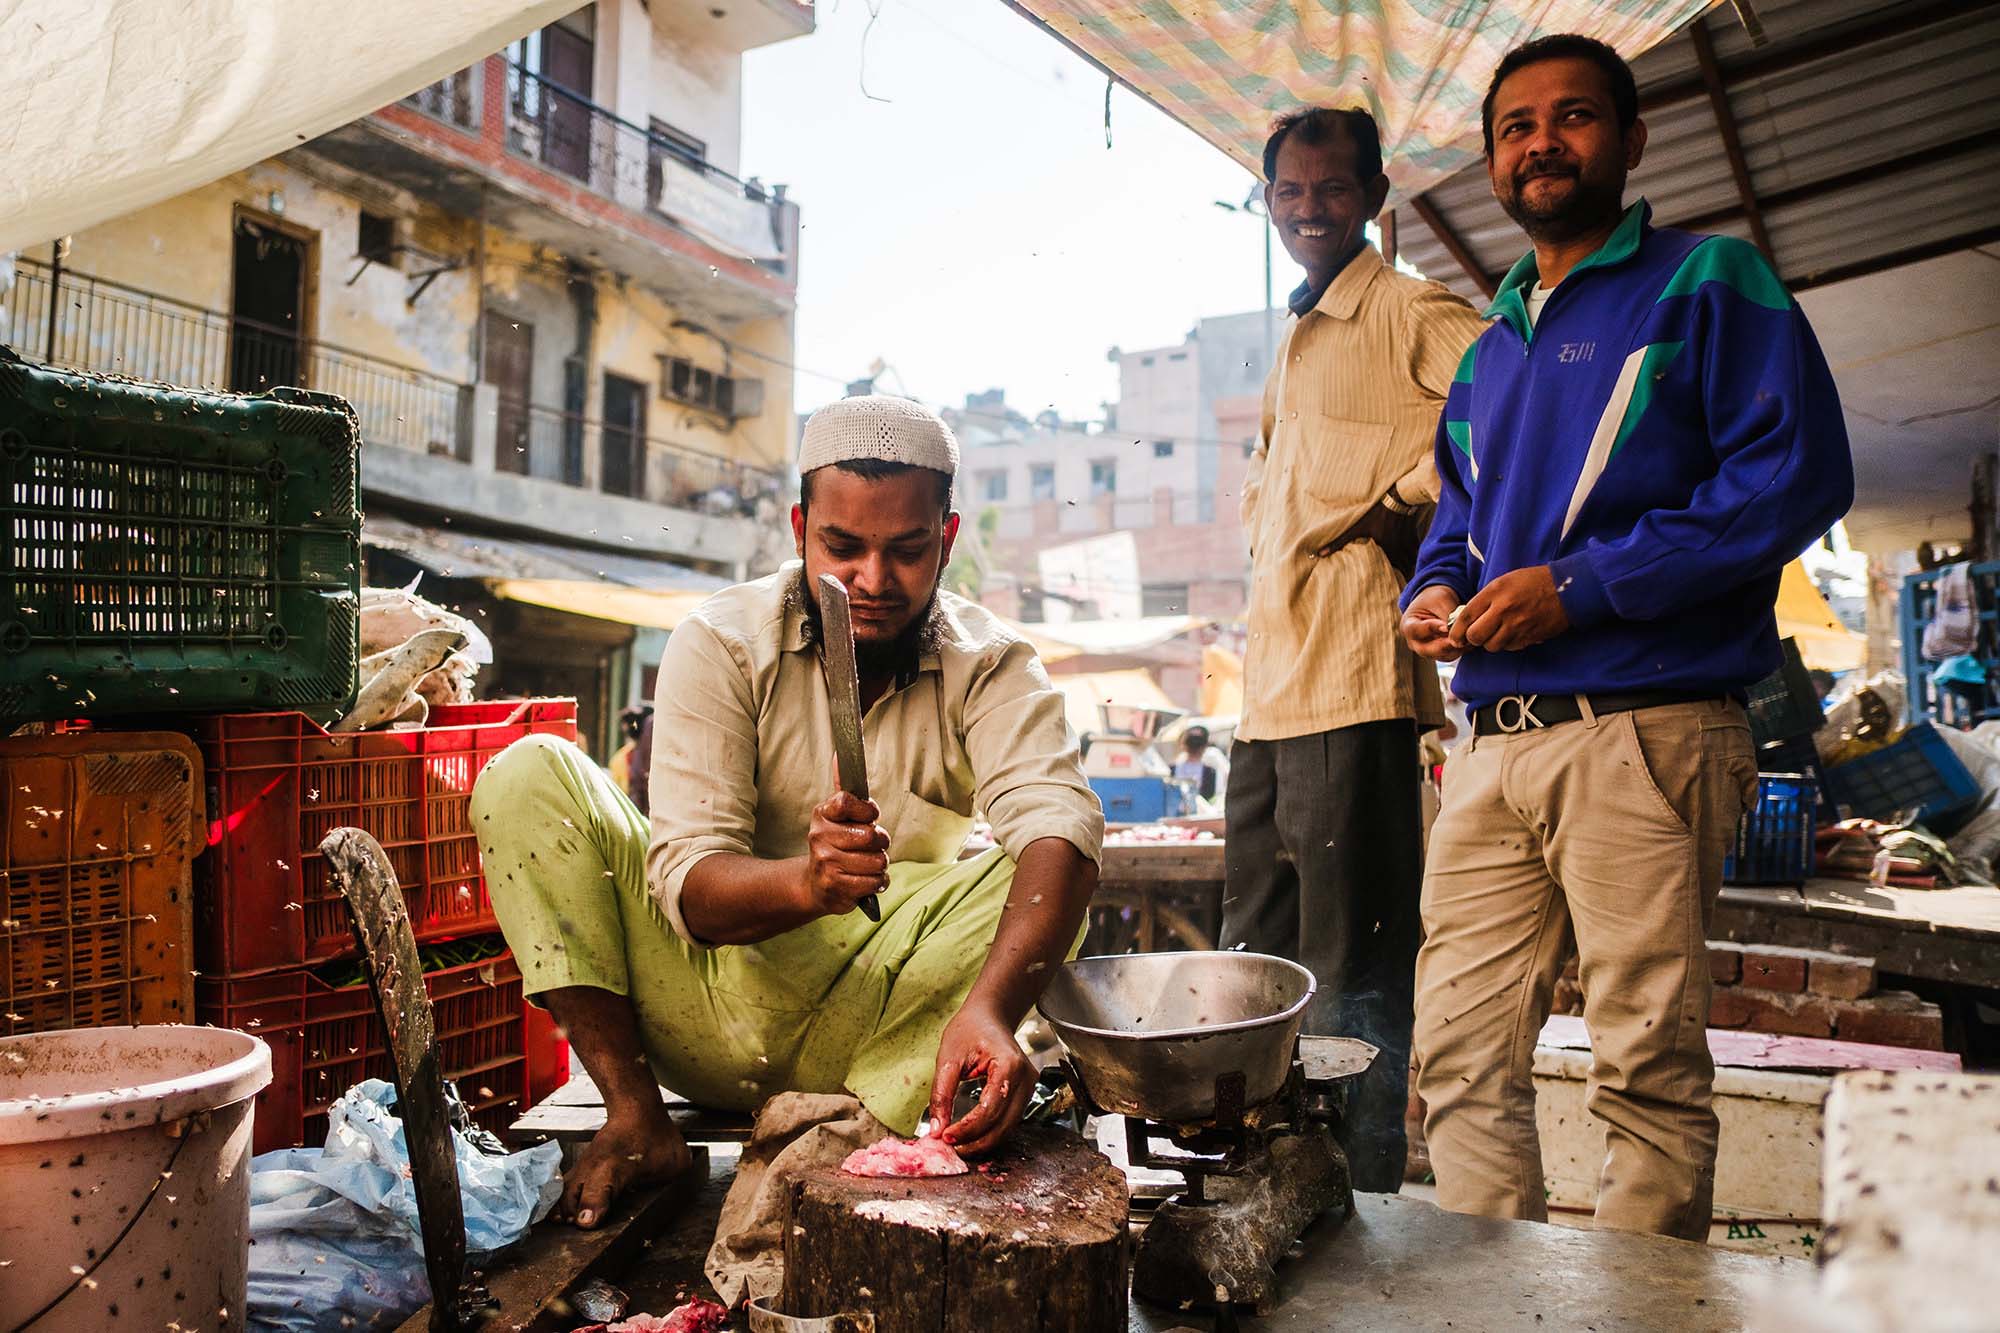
(1201, 1051)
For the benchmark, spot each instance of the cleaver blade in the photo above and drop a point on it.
(843, 693)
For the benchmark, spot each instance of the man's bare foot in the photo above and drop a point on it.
(635, 1149)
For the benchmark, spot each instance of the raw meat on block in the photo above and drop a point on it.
(928, 1156)
(697, 1316)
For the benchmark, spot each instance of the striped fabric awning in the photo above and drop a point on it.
(1225, 68)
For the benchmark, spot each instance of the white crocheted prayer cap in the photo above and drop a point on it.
(877, 426)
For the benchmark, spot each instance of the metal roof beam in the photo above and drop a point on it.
(1896, 259)
(1901, 19)
(1422, 206)
(1732, 142)
(1799, 194)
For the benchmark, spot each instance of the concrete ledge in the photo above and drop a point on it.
(553, 510)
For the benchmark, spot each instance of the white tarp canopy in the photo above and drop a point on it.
(111, 105)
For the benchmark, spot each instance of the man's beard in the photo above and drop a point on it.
(885, 656)
(1594, 201)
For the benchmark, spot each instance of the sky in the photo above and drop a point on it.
(963, 219)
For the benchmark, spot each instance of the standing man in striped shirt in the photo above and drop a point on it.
(1324, 833)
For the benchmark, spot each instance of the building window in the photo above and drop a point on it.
(1176, 356)
(993, 487)
(1163, 448)
(1163, 599)
(1103, 477)
(376, 239)
(1042, 481)
(1145, 360)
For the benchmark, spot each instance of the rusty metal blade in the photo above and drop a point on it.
(396, 976)
(763, 1319)
(843, 695)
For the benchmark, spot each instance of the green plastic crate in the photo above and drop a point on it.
(168, 550)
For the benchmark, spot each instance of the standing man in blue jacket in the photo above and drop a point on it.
(1629, 456)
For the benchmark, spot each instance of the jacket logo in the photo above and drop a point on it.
(1570, 353)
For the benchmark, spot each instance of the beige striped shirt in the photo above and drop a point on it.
(1350, 409)
(743, 748)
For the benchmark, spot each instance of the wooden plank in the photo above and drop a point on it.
(554, 1257)
(1932, 934)
(1162, 862)
(575, 1112)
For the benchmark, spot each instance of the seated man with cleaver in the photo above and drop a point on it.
(777, 930)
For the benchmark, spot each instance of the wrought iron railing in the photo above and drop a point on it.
(89, 323)
(453, 99)
(555, 444)
(641, 168)
(109, 327)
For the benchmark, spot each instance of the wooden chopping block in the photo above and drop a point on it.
(1038, 1243)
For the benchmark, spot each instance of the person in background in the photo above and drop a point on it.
(1323, 841)
(631, 724)
(1630, 456)
(1201, 765)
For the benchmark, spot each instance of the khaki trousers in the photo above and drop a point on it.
(1608, 832)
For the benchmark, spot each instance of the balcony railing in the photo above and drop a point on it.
(552, 443)
(640, 168)
(109, 327)
(112, 328)
(453, 99)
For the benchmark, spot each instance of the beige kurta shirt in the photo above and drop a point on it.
(743, 745)
(1350, 409)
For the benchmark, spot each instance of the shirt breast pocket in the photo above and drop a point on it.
(1341, 462)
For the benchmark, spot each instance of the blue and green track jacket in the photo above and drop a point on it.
(1666, 437)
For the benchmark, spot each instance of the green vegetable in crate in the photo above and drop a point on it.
(389, 681)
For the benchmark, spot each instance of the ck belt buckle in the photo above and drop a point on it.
(1523, 717)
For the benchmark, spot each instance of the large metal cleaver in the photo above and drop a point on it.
(843, 694)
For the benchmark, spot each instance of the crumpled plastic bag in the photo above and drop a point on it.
(333, 1231)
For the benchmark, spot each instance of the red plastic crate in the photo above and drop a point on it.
(325, 1039)
(278, 784)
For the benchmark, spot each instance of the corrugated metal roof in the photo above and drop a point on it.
(1881, 147)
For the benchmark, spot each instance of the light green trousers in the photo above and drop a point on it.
(841, 1004)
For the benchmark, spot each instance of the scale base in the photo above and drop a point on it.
(1224, 1251)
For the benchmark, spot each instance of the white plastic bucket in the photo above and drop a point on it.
(125, 1167)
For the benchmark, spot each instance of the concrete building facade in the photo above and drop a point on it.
(561, 316)
(1166, 467)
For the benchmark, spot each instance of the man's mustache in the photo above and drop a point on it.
(1545, 167)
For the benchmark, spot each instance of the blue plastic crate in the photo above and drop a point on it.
(1774, 842)
(1918, 772)
(1136, 800)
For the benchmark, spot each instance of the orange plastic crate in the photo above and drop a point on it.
(101, 832)
(278, 784)
(325, 1039)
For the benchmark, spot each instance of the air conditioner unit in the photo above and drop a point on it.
(739, 397)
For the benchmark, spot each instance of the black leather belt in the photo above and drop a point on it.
(1531, 712)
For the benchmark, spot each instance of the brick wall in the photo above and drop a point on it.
(1801, 993)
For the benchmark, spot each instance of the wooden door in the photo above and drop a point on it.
(510, 364)
(270, 290)
(567, 58)
(624, 437)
